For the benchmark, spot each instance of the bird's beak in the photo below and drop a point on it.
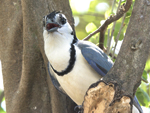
(52, 26)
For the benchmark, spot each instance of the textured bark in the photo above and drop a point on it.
(28, 88)
(134, 52)
(99, 99)
(126, 73)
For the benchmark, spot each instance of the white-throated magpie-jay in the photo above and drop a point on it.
(73, 64)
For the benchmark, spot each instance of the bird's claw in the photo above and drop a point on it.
(78, 108)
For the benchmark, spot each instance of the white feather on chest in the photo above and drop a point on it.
(76, 82)
(57, 50)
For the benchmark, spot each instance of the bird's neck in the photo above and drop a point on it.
(60, 52)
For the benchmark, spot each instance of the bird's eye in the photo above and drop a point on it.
(62, 20)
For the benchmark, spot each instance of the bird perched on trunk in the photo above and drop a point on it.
(73, 64)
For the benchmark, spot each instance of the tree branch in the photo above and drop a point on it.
(134, 51)
(114, 94)
(124, 8)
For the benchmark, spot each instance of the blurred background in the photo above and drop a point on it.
(88, 16)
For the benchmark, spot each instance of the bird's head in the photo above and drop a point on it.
(56, 22)
(56, 28)
(53, 21)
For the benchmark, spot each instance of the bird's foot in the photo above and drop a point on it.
(78, 108)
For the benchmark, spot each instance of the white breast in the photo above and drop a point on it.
(57, 50)
(79, 79)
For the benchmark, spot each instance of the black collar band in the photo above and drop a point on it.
(71, 61)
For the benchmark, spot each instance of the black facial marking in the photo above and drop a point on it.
(62, 19)
(52, 14)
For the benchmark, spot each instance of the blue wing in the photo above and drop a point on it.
(137, 105)
(95, 57)
(99, 62)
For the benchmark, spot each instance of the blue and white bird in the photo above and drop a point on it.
(73, 64)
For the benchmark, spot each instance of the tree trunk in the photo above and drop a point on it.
(28, 88)
(115, 92)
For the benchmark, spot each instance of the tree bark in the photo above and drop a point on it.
(28, 88)
(117, 89)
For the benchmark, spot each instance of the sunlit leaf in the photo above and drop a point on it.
(143, 86)
(90, 27)
(1, 110)
(102, 7)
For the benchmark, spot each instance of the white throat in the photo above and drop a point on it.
(57, 49)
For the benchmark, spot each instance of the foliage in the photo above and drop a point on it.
(92, 18)
(1, 109)
(89, 20)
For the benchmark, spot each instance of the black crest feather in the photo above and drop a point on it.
(52, 14)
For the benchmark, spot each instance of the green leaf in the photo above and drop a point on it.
(94, 39)
(81, 34)
(144, 76)
(89, 18)
(1, 110)
(147, 66)
(143, 97)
